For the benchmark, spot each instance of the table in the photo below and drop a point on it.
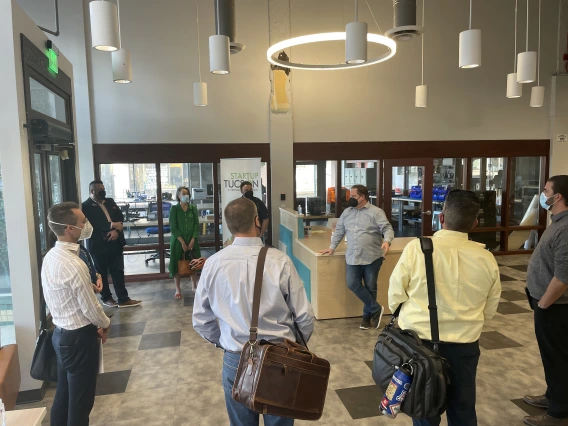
(29, 417)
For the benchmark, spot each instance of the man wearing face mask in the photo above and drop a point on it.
(78, 318)
(547, 281)
(107, 243)
(369, 236)
(246, 190)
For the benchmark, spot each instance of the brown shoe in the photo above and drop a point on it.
(545, 420)
(129, 303)
(539, 401)
(111, 303)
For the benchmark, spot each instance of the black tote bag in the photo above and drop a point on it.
(44, 362)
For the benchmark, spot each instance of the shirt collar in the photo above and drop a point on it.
(444, 233)
(96, 201)
(72, 247)
(366, 206)
(247, 241)
(558, 216)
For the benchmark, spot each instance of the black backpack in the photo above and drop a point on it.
(395, 347)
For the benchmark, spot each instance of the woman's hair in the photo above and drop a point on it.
(178, 193)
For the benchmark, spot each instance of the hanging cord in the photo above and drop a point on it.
(373, 16)
(470, 11)
(527, 48)
(558, 38)
(538, 58)
(198, 44)
(422, 42)
(356, 10)
(515, 66)
(119, 33)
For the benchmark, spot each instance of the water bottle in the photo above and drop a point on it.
(396, 391)
(299, 209)
(2, 414)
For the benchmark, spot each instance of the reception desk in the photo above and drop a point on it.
(324, 275)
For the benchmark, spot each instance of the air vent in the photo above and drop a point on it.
(404, 21)
(225, 23)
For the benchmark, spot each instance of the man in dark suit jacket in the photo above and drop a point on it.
(106, 244)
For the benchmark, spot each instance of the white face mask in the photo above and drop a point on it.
(86, 231)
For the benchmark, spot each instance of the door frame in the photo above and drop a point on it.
(427, 186)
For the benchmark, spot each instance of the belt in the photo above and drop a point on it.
(84, 328)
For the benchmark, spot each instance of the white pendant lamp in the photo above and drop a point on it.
(421, 100)
(121, 66)
(104, 25)
(219, 53)
(121, 63)
(356, 40)
(537, 92)
(514, 89)
(199, 88)
(526, 73)
(470, 45)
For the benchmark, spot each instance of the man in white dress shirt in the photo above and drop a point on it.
(223, 302)
(78, 317)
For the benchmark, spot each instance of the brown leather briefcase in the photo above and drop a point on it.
(280, 379)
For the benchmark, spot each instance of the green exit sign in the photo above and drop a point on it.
(52, 55)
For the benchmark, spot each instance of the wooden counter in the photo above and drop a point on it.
(324, 275)
(29, 417)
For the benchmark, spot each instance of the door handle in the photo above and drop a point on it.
(427, 213)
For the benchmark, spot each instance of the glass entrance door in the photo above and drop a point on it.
(409, 196)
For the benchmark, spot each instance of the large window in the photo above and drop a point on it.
(315, 188)
(7, 331)
(47, 102)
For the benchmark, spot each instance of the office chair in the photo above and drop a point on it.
(154, 230)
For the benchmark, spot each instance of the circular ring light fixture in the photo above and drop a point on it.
(272, 52)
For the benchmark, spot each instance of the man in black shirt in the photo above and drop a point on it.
(106, 244)
(246, 190)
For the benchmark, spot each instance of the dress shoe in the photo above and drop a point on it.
(539, 401)
(545, 420)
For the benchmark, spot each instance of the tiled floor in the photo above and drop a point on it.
(160, 372)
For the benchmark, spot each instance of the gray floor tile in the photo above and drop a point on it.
(163, 325)
(111, 383)
(126, 330)
(513, 295)
(153, 378)
(122, 344)
(509, 308)
(506, 278)
(153, 357)
(361, 402)
(522, 268)
(147, 403)
(495, 340)
(529, 409)
(160, 340)
(118, 361)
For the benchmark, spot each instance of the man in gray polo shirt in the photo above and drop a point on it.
(547, 281)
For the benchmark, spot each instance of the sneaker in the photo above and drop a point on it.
(545, 420)
(111, 303)
(129, 303)
(376, 319)
(365, 323)
(539, 401)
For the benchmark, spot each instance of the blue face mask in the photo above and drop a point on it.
(184, 198)
(543, 201)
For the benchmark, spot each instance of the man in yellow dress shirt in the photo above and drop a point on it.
(468, 289)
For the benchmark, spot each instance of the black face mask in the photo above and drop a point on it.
(249, 195)
(353, 202)
(101, 194)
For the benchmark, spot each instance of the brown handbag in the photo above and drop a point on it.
(279, 379)
(184, 270)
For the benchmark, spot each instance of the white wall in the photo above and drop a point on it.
(15, 163)
(370, 104)
(71, 42)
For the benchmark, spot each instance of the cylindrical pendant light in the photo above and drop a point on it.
(104, 25)
(514, 89)
(356, 40)
(200, 94)
(470, 45)
(199, 88)
(421, 99)
(219, 54)
(526, 72)
(121, 66)
(537, 92)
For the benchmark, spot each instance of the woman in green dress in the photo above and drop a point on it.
(184, 233)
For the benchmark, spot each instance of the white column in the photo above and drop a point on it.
(558, 125)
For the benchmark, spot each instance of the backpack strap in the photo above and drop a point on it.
(428, 248)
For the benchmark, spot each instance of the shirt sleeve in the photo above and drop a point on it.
(83, 289)
(494, 295)
(195, 213)
(338, 234)
(399, 281)
(385, 226)
(298, 303)
(204, 320)
(561, 258)
(175, 232)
